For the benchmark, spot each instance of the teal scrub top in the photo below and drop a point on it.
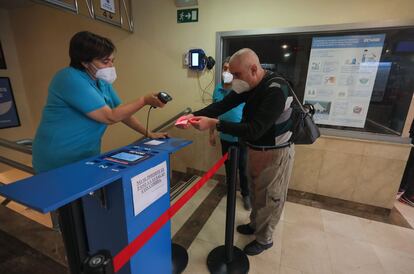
(233, 115)
(66, 134)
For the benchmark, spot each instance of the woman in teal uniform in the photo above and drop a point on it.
(81, 104)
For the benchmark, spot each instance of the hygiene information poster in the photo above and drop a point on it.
(149, 186)
(8, 110)
(341, 77)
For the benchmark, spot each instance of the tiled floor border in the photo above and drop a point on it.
(379, 214)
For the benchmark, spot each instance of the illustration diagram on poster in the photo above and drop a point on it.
(341, 77)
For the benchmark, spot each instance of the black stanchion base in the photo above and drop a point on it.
(179, 258)
(216, 261)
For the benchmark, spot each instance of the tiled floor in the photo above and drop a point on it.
(308, 240)
(181, 217)
(315, 241)
(17, 257)
(407, 211)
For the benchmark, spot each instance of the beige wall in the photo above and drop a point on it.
(14, 72)
(35, 42)
(150, 59)
(43, 47)
(200, 155)
(366, 172)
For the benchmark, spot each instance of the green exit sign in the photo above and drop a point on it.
(187, 16)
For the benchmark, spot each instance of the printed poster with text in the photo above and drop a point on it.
(341, 77)
(149, 186)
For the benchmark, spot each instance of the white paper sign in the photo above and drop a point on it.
(108, 5)
(341, 76)
(154, 143)
(149, 186)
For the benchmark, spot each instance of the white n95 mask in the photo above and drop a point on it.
(240, 86)
(106, 74)
(227, 77)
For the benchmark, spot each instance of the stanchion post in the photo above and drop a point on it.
(229, 259)
(179, 258)
(231, 203)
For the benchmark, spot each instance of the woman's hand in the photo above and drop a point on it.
(152, 100)
(158, 135)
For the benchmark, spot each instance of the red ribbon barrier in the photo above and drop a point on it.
(125, 254)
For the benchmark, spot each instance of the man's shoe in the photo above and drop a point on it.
(246, 203)
(245, 229)
(255, 248)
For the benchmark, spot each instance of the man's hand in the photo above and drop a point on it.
(203, 123)
(152, 100)
(158, 135)
(183, 121)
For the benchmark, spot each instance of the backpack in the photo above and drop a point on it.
(304, 130)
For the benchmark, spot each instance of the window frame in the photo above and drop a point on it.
(335, 29)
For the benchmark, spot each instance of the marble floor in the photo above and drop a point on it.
(16, 257)
(308, 240)
(407, 211)
(314, 241)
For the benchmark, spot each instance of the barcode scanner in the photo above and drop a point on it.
(164, 97)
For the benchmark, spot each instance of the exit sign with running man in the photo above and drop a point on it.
(187, 16)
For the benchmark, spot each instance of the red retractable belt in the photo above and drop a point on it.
(125, 254)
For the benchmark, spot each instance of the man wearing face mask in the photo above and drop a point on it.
(265, 129)
(81, 104)
(227, 140)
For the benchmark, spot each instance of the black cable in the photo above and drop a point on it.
(148, 114)
(204, 90)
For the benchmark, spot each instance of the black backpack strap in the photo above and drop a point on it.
(278, 77)
(275, 78)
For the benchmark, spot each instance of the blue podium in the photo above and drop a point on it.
(109, 199)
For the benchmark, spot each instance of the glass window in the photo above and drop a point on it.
(393, 88)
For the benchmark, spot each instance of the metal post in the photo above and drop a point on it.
(229, 258)
(74, 235)
(179, 258)
(17, 165)
(231, 203)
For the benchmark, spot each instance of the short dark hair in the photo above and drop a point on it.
(86, 46)
(226, 60)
